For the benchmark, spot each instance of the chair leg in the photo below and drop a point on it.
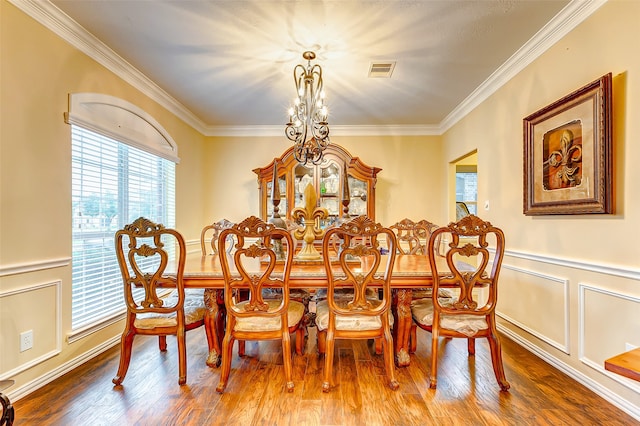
(379, 345)
(182, 357)
(125, 356)
(227, 348)
(322, 342)
(241, 347)
(162, 343)
(413, 339)
(388, 358)
(286, 355)
(328, 362)
(471, 346)
(433, 378)
(496, 360)
(300, 341)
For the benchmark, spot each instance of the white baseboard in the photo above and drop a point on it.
(26, 389)
(626, 406)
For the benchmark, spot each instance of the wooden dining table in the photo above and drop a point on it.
(409, 272)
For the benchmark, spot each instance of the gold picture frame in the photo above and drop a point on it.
(568, 153)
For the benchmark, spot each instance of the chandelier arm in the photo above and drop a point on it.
(308, 116)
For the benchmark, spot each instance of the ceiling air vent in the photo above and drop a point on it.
(381, 69)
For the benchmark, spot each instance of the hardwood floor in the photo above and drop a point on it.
(467, 392)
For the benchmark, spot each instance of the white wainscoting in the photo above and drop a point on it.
(598, 305)
(529, 290)
(604, 332)
(54, 325)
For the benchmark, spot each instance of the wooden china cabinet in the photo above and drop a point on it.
(328, 180)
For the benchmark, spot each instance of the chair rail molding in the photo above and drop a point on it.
(40, 265)
(591, 266)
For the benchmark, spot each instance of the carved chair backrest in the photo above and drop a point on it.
(143, 250)
(467, 257)
(254, 265)
(360, 265)
(216, 227)
(412, 237)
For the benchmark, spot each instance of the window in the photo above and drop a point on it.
(113, 183)
(466, 190)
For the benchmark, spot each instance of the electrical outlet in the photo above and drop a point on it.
(629, 347)
(26, 340)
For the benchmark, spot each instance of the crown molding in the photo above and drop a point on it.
(61, 24)
(566, 20)
(69, 30)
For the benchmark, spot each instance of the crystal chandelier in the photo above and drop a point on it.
(308, 116)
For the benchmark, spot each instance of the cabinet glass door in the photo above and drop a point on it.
(282, 207)
(302, 176)
(358, 203)
(330, 180)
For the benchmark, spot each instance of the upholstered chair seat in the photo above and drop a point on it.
(422, 293)
(469, 325)
(294, 316)
(194, 311)
(353, 322)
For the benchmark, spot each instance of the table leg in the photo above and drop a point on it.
(213, 324)
(402, 325)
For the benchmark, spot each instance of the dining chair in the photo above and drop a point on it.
(297, 294)
(143, 249)
(359, 266)
(253, 265)
(413, 238)
(470, 313)
(215, 229)
(408, 237)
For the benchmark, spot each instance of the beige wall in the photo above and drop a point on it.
(570, 284)
(409, 184)
(38, 71)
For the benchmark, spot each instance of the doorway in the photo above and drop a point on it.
(463, 199)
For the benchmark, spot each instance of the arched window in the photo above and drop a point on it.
(123, 167)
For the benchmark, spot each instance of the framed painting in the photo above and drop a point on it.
(568, 154)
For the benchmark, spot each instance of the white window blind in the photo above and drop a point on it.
(113, 184)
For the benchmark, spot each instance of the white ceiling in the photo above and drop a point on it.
(229, 64)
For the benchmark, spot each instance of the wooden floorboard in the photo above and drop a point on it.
(467, 392)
